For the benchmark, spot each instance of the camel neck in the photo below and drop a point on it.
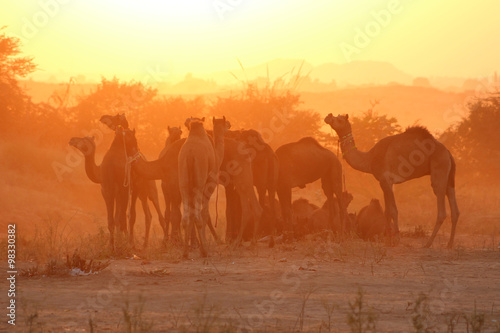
(219, 149)
(357, 159)
(92, 170)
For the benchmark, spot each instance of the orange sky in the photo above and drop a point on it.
(136, 39)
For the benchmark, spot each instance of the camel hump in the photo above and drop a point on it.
(419, 130)
(310, 140)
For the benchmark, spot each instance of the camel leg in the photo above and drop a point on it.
(274, 227)
(245, 217)
(256, 212)
(201, 219)
(230, 214)
(455, 213)
(187, 226)
(391, 211)
(175, 219)
(110, 207)
(153, 196)
(285, 197)
(440, 217)
(167, 215)
(148, 217)
(132, 218)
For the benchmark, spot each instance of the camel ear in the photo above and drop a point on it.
(228, 125)
(203, 119)
(168, 128)
(213, 120)
(93, 138)
(346, 116)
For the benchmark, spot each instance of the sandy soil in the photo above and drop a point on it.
(287, 288)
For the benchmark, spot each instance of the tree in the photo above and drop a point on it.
(370, 127)
(14, 104)
(475, 141)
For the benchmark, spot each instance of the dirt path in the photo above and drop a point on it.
(288, 288)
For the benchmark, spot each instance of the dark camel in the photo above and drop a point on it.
(140, 188)
(303, 162)
(401, 157)
(265, 167)
(319, 218)
(170, 182)
(236, 175)
(371, 221)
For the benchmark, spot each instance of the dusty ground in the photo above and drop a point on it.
(288, 288)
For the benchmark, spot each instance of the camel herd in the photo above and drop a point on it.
(192, 169)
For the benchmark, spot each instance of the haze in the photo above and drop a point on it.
(129, 38)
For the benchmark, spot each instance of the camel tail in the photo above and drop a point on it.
(451, 176)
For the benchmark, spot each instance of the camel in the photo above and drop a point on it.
(197, 174)
(371, 221)
(174, 134)
(114, 193)
(302, 211)
(265, 167)
(170, 183)
(303, 162)
(140, 188)
(399, 158)
(319, 218)
(236, 174)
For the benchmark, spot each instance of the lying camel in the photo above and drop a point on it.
(319, 218)
(371, 221)
(302, 212)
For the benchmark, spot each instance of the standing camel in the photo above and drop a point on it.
(401, 157)
(141, 188)
(197, 175)
(303, 162)
(265, 167)
(236, 174)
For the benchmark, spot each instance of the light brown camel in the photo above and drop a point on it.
(319, 218)
(303, 162)
(197, 174)
(371, 221)
(401, 157)
(141, 188)
(236, 175)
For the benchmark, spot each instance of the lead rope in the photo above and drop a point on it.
(217, 199)
(126, 180)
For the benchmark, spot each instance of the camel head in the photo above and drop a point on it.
(86, 144)
(339, 124)
(191, 120)
(252, 138)
(221, 126)
(115, 122)
(174, 133)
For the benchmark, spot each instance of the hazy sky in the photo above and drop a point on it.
(137, 39)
